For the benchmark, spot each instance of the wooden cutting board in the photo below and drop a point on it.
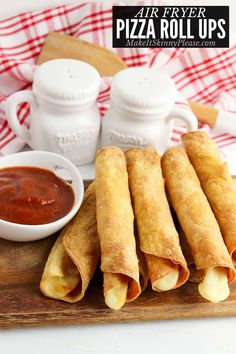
(23, 305)
(62, 46)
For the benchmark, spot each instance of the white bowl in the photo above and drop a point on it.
(52, 162)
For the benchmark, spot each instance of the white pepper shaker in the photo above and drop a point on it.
(142, 105)
(64, 117)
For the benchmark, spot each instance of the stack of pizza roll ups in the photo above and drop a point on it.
(126, 222)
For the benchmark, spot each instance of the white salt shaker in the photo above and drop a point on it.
(142, 106)
(64, 117)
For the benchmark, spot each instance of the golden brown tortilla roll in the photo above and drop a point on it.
(199, 225)
(75, 255)
(216, 182)
(60, 275)
(158, 237)
(115, 220)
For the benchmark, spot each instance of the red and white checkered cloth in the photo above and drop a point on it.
(206, 75)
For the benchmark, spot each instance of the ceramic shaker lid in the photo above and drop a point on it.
(66, 82)
(143, 90)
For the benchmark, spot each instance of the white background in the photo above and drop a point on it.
(185, 337)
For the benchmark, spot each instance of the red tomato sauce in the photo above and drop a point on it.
(33, 196)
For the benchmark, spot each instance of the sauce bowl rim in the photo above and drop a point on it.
(78, 195)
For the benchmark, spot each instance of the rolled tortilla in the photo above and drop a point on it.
(75, 255)
(60, 276)
(216, 182)
(158, 237)
(199, 225)
(115, 220)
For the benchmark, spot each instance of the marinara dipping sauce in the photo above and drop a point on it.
(33, 196)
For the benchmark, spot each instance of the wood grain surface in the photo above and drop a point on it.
(23, 305)
(62, 46)
(206, 114)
